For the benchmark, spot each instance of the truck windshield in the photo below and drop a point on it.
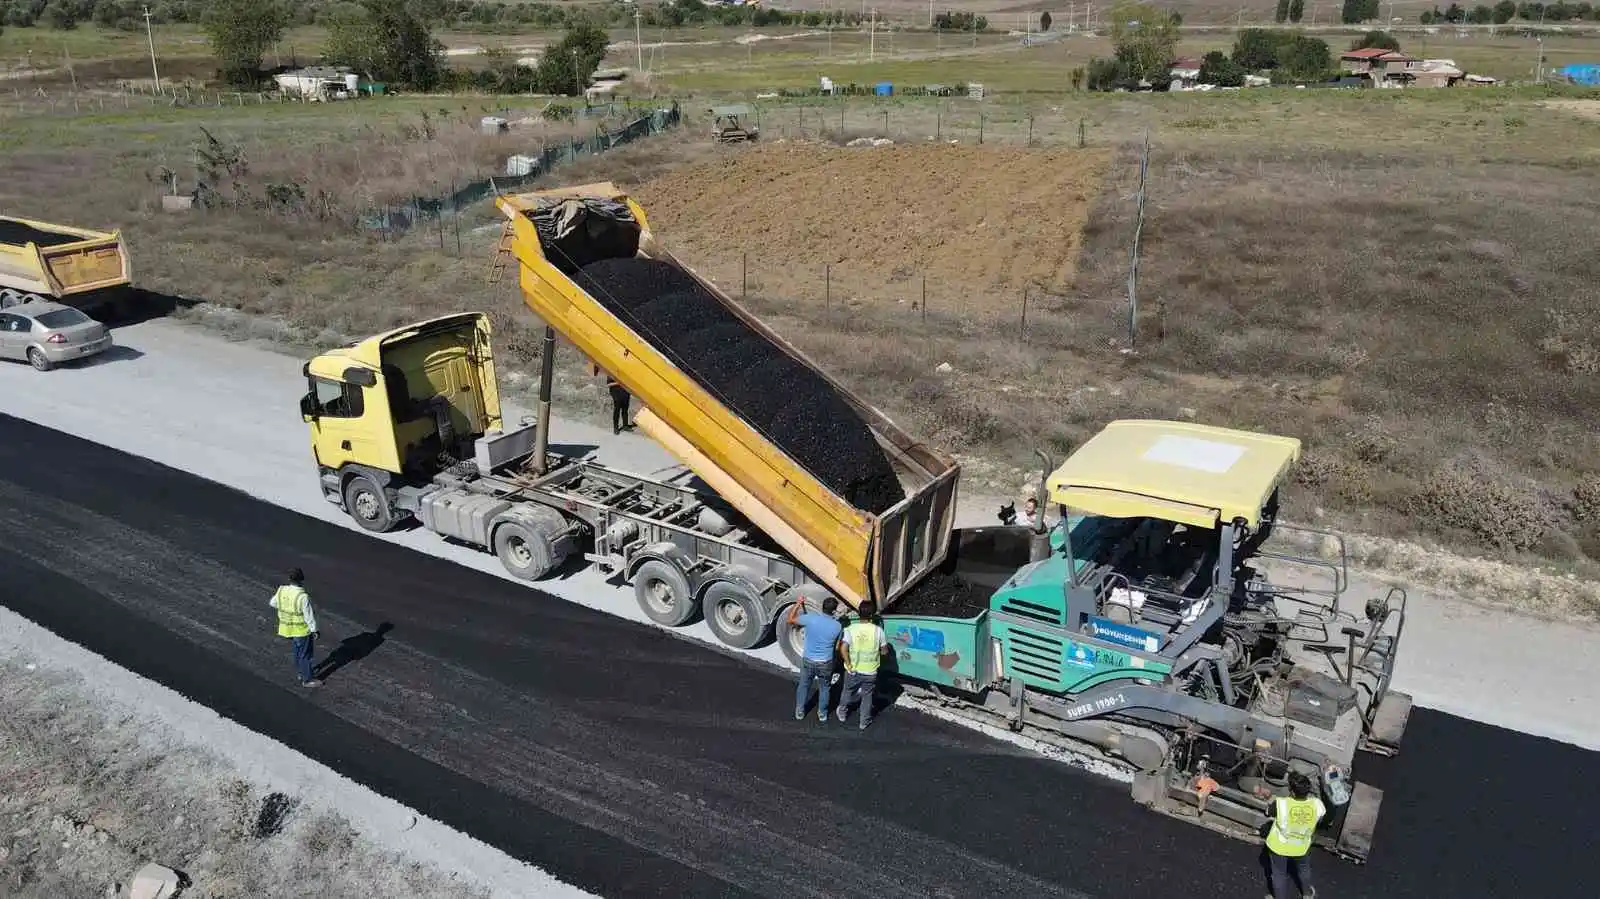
(62, 318)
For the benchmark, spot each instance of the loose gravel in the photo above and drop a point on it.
(785, 400)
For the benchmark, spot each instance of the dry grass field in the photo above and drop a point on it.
(1405, 280)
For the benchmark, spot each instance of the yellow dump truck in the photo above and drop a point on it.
(408, 424)
(75, 266)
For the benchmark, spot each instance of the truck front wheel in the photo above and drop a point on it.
(663, 593)
(734, 614)
(524, 551)
(368, 504)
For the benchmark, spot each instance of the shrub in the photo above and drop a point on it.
(1495, 508)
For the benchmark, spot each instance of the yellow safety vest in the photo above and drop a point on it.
(291, 604)
(862, 646)
(1293, 823)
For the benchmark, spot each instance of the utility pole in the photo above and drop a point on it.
(1538, 69)
(1241, 17)
(1072, 17)
(1313, 15)
(150, 35)
(638, 39)
(872, 36)
(1138, 232)
(1391, 15)
(930, 13)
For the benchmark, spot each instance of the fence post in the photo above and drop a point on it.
(841, 115)
(827, 285)
(1081, 133)
(1030, 131)
(744, 275)
(886, 123)
(980, 127)
(938, 126)
(924, 299)
(1022, 325)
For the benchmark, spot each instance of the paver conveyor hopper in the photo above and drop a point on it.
(557, 237)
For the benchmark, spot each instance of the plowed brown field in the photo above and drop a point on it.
(980, 223)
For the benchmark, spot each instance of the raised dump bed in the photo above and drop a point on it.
(862, 505)
(70, 265)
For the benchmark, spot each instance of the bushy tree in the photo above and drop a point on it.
(240, 32)
(1304, 58)
(1255, 49)
(1216, 68)
(1281, 14)
(1045, 20)
(1504, 11)
(1354, 12)
(1378, 40)
(385, 39)
(1297, 10)
(1480, 15)
(1454, 14)
(566, 66)
(1144, 37)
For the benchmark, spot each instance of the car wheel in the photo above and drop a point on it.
(37, 359)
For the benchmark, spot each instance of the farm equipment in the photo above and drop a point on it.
(77, 267)
(727, 124)
(1143, 630)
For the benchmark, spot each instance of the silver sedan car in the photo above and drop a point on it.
(46, 334)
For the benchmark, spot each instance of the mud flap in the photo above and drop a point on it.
(1360, 820)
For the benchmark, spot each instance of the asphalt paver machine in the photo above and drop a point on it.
(1143, 628)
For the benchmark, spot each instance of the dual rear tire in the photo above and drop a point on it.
(733, 613)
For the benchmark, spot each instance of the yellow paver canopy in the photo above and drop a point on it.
(1194, 474)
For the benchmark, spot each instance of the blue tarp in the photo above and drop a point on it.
(1587, 74)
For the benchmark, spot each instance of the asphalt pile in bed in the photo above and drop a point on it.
(789, 403)
(943, 595)
(19, 233)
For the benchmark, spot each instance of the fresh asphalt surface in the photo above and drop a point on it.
(633, 763)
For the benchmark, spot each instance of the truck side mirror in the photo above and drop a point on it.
(308, 407)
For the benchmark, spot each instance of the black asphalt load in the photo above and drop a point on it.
(785, 400)
(634, 763)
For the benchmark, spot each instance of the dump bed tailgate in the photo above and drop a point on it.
(60, 260)
(860, 555)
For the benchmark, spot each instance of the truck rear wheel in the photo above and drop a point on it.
(525, 550)
(735, 615)
(368, 504)
(791, 637)
(663, 593)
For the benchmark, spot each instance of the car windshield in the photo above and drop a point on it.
(62, 318)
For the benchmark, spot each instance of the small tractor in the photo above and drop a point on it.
(727, 124)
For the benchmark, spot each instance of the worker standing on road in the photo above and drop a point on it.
(822, 636)
(864, 646)
(1294, 820)
(296, 622)
(620, 400)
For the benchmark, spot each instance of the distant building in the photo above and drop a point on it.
(1185, 72)
(319, 83)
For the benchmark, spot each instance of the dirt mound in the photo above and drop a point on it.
(978, 222)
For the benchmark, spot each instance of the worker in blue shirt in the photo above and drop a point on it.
(822, 631)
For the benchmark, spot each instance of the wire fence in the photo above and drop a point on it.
(396, 219)
(920, 120)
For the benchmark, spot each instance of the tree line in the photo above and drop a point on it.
(458, 15)
(1504, 11)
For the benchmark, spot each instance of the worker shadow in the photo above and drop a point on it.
(574, 450)
(351, 649)
(144, 305)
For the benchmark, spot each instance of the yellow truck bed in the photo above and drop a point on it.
(857, 554)
(58, 262)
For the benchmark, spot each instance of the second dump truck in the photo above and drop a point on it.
(77, 267)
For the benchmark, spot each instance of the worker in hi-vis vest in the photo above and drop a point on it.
(296, 622)
(864, 646)
(1294, 820)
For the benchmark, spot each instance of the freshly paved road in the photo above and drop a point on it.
(633, 763)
